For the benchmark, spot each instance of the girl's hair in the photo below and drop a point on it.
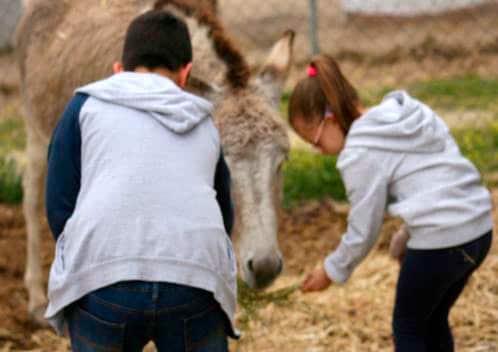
(325, 88)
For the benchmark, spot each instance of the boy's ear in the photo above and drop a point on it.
(184, 74)
(117, 67)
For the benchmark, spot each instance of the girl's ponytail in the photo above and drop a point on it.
(341, 96)
(325, 88)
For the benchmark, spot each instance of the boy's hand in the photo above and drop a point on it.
(317, 280)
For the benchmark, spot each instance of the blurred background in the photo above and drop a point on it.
(444, 52)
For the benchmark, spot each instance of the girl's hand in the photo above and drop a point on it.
(397, 247)
(317, 280)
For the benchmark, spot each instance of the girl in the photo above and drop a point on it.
(399, 156)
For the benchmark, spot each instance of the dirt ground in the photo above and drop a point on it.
(357, 316)
(354, 317)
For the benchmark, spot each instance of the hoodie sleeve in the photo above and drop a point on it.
(64, 167)
(222, 186)
(367, 189)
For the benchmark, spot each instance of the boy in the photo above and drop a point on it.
(138, 201)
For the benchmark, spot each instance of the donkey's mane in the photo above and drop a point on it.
(238, 72)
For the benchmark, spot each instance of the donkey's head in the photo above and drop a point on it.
(255, 144)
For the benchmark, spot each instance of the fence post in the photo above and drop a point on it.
(313, 24)
(10, 11)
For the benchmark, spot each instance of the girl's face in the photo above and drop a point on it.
(324, 133)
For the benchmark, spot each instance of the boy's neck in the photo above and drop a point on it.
(159, 71)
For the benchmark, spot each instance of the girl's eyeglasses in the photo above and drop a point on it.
(328, 115)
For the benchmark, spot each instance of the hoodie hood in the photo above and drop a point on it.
(399, 123)
(159, 96)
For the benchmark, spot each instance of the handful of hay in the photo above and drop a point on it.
(250, 300)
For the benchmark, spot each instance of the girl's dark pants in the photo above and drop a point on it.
(430, 281)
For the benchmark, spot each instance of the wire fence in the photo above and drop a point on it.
(431, 38)
(433, 33)
(377, 42)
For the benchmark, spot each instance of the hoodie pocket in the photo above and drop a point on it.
(91, 333)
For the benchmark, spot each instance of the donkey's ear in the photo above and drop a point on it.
(272, 76)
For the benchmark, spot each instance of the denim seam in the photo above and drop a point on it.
(176, 308)
(142, 290)
(467, 257)
(92, 344)
(186, 335)
(119, 308)
(124, 286)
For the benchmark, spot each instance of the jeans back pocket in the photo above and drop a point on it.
(206, 331)
(90, 333)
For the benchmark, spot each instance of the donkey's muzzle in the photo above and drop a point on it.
(264, 270)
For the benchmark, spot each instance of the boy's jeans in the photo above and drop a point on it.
(430, 281)
(127, 315)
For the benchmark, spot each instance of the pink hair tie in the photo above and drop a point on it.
(312, 71)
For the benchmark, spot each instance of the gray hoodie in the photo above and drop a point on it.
(400, 157)
(146, 207)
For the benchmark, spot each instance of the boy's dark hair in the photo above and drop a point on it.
(157, 39)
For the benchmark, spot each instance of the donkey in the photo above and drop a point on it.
(64, 44)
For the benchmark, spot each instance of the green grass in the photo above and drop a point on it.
(311, 176)
(480, 146)
(10, 183)
(314, 176)
(477, 142)
(469, 92)
(460, 93)
(12, 135)
(284, 103)
(12, 138)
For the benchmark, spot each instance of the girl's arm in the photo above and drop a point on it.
(366, 182)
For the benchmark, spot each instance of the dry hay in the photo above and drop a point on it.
(353, 317)
(357, 316)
